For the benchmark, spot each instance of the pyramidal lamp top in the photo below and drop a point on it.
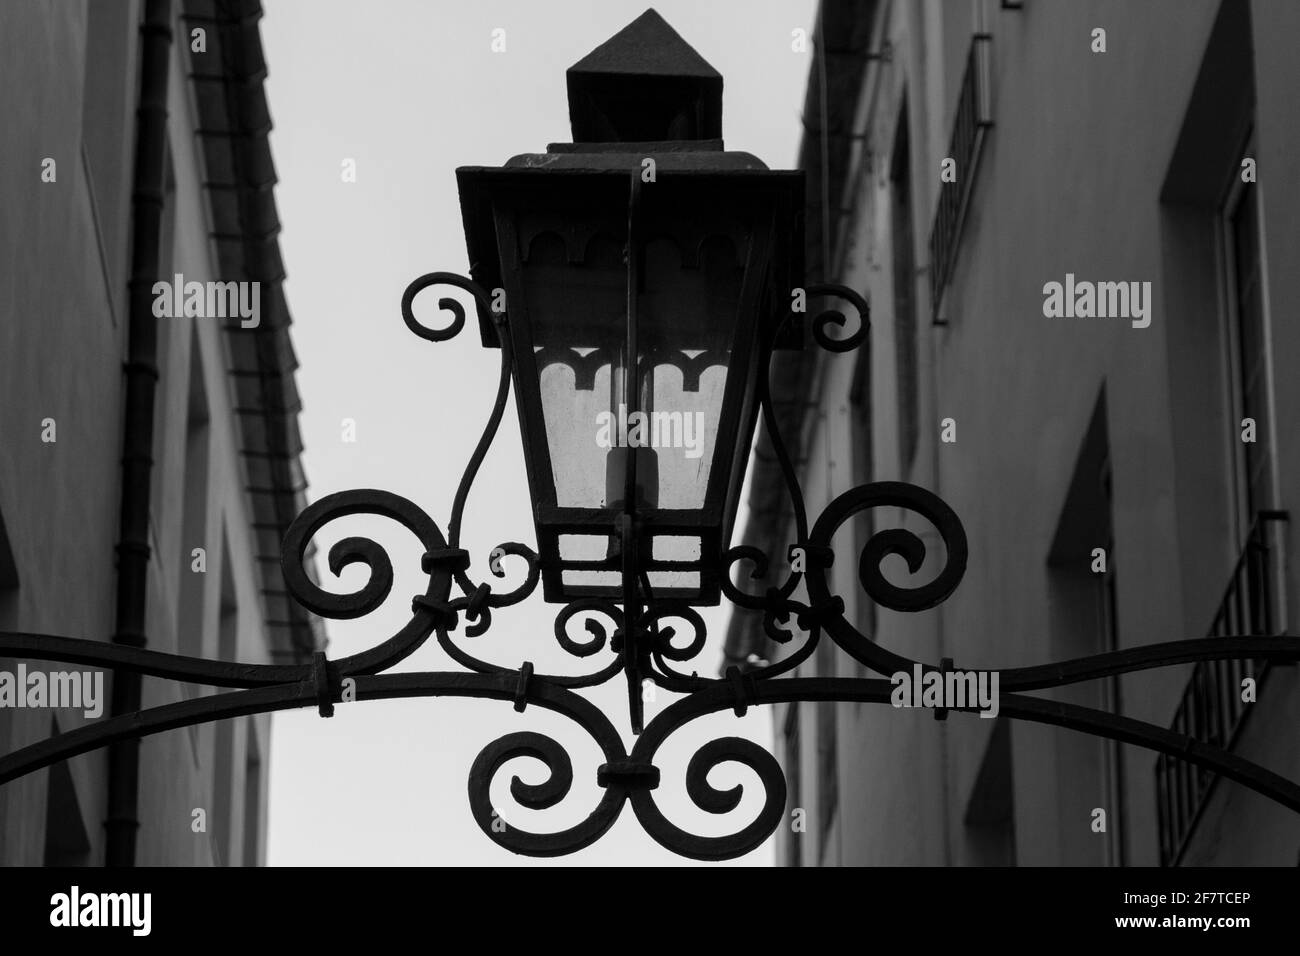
(642, 273)
(643, 84)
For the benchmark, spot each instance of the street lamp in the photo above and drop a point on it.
(642, 281)
(636, 283)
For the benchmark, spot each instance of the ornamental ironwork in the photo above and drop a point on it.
(635, 263)
(636, 628)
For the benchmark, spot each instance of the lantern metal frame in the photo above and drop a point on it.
(643, 646)
(585, 177)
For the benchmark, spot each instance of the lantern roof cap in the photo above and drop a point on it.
(644, 83)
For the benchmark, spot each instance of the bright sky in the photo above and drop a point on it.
(411, 90)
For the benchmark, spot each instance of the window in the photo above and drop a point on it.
(66, 842)
(900, 178)
(1243, 281)
(194, 523)
(973, 117)
(1108, 628)
(1214, 281)
(1082, 580)
(990, 817)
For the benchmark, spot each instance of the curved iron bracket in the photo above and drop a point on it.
(623, 776)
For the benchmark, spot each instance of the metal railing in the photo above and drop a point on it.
(1211, 708)
(973, 117)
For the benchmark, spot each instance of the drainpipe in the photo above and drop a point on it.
(137, 442)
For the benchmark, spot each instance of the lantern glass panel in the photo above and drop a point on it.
(678, 272)
(578, 314)
(686, 324)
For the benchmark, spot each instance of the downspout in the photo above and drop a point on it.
(141, 370)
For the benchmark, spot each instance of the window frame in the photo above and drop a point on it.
(1241, 508)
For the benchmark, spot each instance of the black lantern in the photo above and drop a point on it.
(645, 275)
(644, 271)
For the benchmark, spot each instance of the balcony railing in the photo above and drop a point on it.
(1211, 708)
(974, 116)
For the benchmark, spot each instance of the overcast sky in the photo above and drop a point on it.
(411, 90)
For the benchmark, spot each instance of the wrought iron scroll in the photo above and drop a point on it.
(667, 633)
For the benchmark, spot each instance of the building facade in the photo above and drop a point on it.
(220, 459)
(1123, 471)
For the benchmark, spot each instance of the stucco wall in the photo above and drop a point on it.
(64, 261)
(1070, 181)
